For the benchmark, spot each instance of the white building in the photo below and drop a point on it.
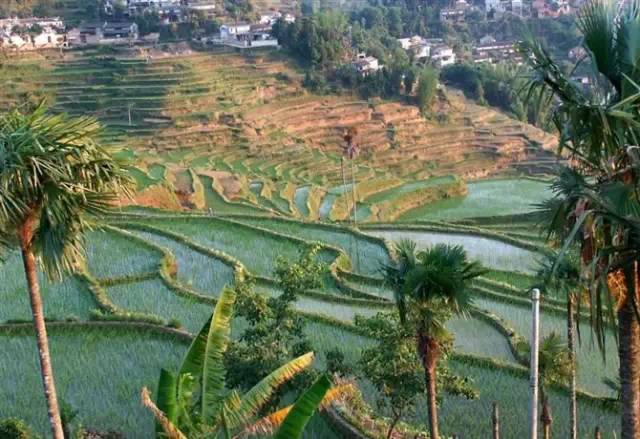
(20, 33)
(229, 32)
(443, 56)
(366, 64)
(270, 19)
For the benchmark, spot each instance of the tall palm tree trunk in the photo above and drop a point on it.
(429, 351)
(629, 355)
(571, 338)
(30, 269)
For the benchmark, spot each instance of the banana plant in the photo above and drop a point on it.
(194, 403)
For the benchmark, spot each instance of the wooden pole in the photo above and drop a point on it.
(535, 338)
(495, 418)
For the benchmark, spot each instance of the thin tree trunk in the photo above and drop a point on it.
(629, 355)
(495, 420)
(546, 418)
(429, 353)
(394, 422)
(571, 338)
(30, 268)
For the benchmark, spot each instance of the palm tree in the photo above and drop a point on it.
(195, 402)
(596, 127)
(431, 286)
(563, 275)
(53, 176)
(554, 366)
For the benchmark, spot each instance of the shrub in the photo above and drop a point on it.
(13, 428)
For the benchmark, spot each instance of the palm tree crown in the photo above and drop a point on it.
(435, 281)
(53, 173)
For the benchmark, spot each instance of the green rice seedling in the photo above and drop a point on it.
(591, 370)
(485, 198)
(325, 337)
(473, 336)
(472, 418)
(370, 254)
(203, 273)
(257, 250)
(154, 298)
(517, 280)
(312, 305)
(112, 255)
(492, 253)
(407, 188)
(64, 299)
(99, 371)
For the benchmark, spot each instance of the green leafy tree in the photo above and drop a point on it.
(196, 403)
(427, 87)
(431, 286)
(392, 367)
(54, 177)
(275, 332)
(596, 127)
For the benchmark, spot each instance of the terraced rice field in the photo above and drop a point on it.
(486, 198)
(234, 163)
(208, 128)
(492, 253)
(205, 255)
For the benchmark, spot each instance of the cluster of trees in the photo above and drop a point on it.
(26, 8)
(500, 86)
(327, 43)
(320, 40)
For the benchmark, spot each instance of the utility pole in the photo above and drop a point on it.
(130, 106)
(495, 418)
(533, 368)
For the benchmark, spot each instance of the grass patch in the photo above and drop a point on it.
(67, 299)
(98, 371)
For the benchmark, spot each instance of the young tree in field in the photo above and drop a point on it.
(563, 275)
(427, 86)
(431, 287)
(275, 332)
(600, 130)
(395, 370)
(392, 367)
(554, 366)
(54, 176)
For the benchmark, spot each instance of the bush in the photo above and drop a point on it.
(14, 428)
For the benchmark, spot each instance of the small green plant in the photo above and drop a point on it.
(13, 428)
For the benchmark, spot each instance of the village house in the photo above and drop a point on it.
(432, 49)
(366, 64)
(164, 8)
(417, 45)
(451, 14)
(32, 33)
(246, 35)
(442, 56)
(104, 33)
(206, 7)
(491, 51)
(551, 8)
(270, 19)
